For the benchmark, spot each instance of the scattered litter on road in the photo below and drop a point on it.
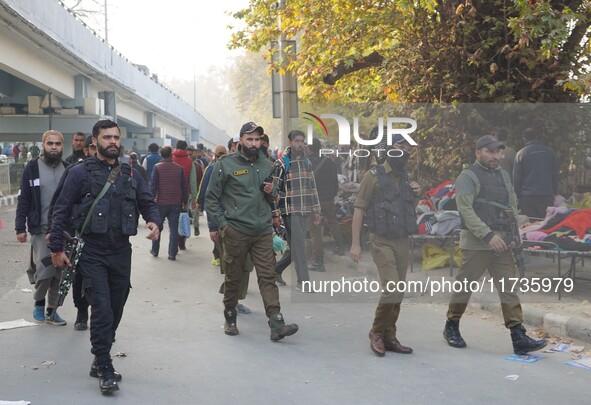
(524, 358)
(511, 377)
(19, 323)
(560, 347)
(26, 290)
(22, 402)
(120, 354)
(584, 363)
(577, 349)
(541, 333)
(48, 363)
(308, 317)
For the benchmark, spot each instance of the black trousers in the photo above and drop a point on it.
(80, 301)
(106, 283)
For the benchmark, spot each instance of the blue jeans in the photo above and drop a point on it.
(171, 213)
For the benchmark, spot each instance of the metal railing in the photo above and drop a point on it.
(10, 178)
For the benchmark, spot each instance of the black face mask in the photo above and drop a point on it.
(398, 163)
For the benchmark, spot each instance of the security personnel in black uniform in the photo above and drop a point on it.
(105, 263)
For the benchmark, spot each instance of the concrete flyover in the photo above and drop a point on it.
(57, 73)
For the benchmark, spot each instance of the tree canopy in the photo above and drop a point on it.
(431, 51)
(428, 50)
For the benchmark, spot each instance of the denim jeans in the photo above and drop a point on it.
(171, 213)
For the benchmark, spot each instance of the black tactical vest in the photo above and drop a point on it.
(391, 213)
(493, 188)
(116, 212)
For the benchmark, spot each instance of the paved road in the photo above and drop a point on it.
(177, 353)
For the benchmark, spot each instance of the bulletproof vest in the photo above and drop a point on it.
(117, 211)
(391, 213)
(493, 188)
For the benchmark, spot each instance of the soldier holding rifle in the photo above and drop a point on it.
(483, 194)
(110, 194)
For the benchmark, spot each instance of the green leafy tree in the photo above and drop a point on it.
(433, 51)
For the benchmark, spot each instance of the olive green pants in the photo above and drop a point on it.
(248, 266)
(391, 259)
(237, 246)
(474, 264)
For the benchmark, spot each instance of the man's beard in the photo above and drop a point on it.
(109, 153)
(489, 165)
(52, 159)
(251, 152)
(297, 152)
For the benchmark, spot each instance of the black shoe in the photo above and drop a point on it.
(94, 372)
(81, 320)
(196, 231)
(279, 329)
(523, 344)
(107, 382)
(317, 265)
(451, 333)
(172, 258)
(153, 253)
(230, 327)
(339, 251)
(279, 280)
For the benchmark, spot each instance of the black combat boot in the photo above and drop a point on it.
(230, 327)
(94, 371)
(318, 264)
(451, 333)
(522, 344)
(338, 250)
(106, 376)
(279, 329)
(81, 320)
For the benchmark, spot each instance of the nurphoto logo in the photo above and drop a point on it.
(344, 139)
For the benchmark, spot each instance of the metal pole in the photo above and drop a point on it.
(106, 26)
(50, 109)
(284, 84)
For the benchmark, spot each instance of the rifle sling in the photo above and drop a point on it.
(493, 203)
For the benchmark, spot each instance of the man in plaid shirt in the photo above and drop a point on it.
(298, 199)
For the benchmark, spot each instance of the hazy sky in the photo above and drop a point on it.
(173, 38)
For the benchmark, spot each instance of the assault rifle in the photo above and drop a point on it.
(73, 249)
(514, 237)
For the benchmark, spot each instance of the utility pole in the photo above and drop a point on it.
(284, 85)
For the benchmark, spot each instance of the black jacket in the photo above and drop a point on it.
(28, 210)
(535, 172)
(325, 173)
